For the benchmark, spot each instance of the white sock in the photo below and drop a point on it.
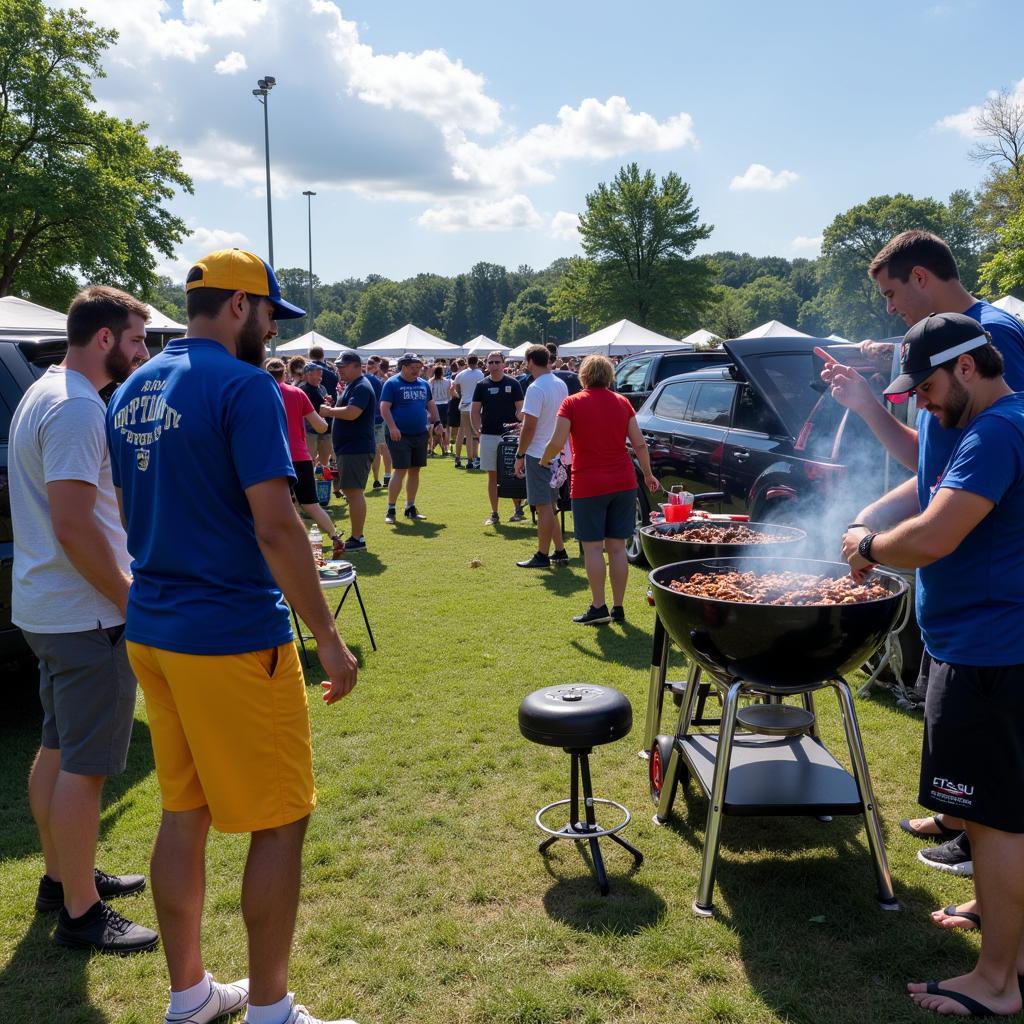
(189, 998)
(275, 1013)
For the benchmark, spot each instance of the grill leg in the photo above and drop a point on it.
(886, 896)
(713, 833)
(808, 702)
(656, 690)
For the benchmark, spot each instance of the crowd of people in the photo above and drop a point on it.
(156, 539)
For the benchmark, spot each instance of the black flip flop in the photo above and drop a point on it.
(942, 835)
(967, 915)
(972, 1006)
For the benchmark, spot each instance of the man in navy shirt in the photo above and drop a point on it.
(200, 460)
(354, 442)
(967, 545)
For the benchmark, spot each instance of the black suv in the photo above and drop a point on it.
(764, 432)
(636, 376)
(22, 360)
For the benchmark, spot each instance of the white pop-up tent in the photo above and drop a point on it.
(19, 316)
(412, 339)
(1011, 305)
(700, 337)
(623, 338)
(160, 323)
(519, 352)
(481, 345)
(775, 329)
(300, 346)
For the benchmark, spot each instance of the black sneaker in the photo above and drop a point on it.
(593, 616)
(953, 856)
(492, 520)
(390, 517)
(618, 613)
(387, 479)
(458, 462)
(376, 485)
(352, 545)
(103, 929)
(536, 561)
(50, 896)
(560, 557)
(411, 512)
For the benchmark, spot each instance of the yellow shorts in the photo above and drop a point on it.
(231, 733)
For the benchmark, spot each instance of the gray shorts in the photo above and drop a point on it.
(353, 471)
(380, 435)
(538, 483)
(87, 690)
(489, 452)
(604, 516)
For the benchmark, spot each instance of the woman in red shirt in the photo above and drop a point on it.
(597, 421)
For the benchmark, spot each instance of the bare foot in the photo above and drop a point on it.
(1001, 1003)
(944, 919)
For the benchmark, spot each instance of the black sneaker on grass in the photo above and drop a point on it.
(492, 520)
(618, 613)
(560, 557)
(953, 856)
(50, 896)
(593, 616)
(411, 512)
(103, 929)
(352, 545)
(376, 485)
(390, 517)
(536, 561)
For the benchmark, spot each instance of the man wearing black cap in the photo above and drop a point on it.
(408, 410)
(354, 442)
(967, 545)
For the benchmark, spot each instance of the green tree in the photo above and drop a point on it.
(169, 297)
(455, 315)
(1003, 271)
(526, 318)
(81, 192)
(728, 316)
(376, 313)
(768, 298)
(637, 238)
(489, 294)
(333, 325)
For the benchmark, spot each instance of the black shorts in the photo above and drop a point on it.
(409, 451)
(454, 414)
(304, 487)
(972, 758)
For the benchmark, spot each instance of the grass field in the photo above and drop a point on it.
(425, 899)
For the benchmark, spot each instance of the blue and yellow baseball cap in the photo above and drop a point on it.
(238, 270)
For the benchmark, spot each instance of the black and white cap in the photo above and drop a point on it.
(931, 342)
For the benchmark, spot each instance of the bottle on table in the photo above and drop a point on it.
(316, 541)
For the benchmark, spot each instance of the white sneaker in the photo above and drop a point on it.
(300, 1015)
(222, 999)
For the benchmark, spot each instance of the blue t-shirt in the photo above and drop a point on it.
(378, 386)
(189, 431)
(970, 604)
(408, 403)
(935, 443)
(355, 437)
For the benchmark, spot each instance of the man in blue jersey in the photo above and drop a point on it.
(917, 275)
(967, 545)
(201, 464)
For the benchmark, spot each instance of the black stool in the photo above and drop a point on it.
(578, 718)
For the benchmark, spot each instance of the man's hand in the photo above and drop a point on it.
(396, 434)
(848, 387)
(859, 566)
(340, 664)
(521, 468)
(653, 483)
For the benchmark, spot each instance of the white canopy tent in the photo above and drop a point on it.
(481, 345)
(775, 329)
(160, 323)
(300, 346)
(411, 339)
(519, 352)
(699, 338)
(19, 316)
(1011, 305)
(624, 338)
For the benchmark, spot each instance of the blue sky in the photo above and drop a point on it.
(437, 135)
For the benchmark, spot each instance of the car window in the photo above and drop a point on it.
(632, 376)
(673, 400)
(713, 404)
(10, 394)
(752, 412)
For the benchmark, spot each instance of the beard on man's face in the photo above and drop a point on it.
(251, 345)
(118, 366)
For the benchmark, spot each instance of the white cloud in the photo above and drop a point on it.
(807, 243)
(964, 122)
(481, 215)
(200, 242)
(565, 226)
(593, 130)
(758, 178)
(231, 64)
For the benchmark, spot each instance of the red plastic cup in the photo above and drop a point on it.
(677, 513)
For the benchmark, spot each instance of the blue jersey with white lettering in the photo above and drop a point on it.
(408, 400)
(189, 431)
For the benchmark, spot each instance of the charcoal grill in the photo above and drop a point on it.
(767, 653)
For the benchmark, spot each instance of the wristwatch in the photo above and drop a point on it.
(864, 547)
(520, 455)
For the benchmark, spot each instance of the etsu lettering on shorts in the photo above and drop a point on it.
(952, 792)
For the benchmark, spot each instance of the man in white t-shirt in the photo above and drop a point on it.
(70, 590)
(466, 382)
(541, 403)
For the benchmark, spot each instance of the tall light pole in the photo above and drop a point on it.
(262, 93)
(309, 221)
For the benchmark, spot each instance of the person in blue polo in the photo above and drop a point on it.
(408, 410)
